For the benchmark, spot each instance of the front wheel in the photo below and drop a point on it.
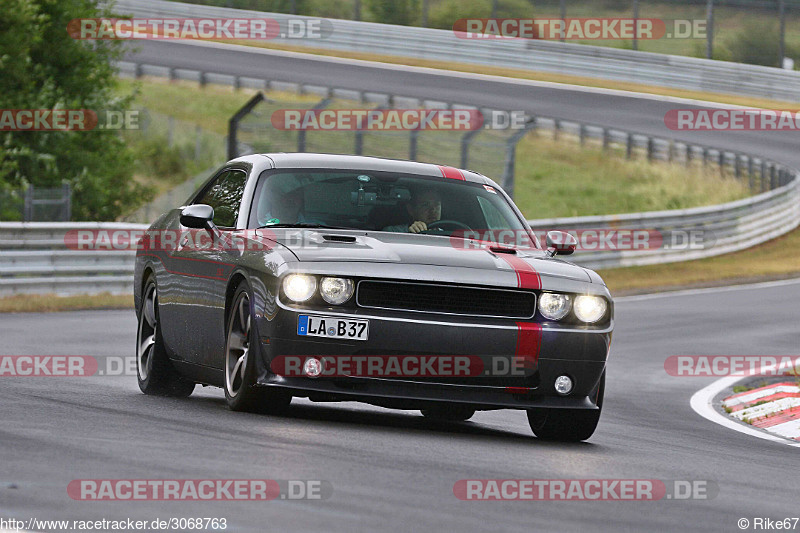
(568, 425)
(241, 349)
(154, 371)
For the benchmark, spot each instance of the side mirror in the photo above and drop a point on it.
(197, 216)
(560, 243)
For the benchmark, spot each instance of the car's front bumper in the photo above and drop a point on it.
(579, 353)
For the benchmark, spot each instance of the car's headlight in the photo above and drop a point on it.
(336, 291)
(554, 306)
(590, 309)
(299, 287)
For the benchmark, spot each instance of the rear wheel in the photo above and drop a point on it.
(570, 425)
(154, 371)
(241, 350)
(450, 413)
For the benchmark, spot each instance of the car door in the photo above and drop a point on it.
(206, 263)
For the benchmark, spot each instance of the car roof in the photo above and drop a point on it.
(379, 164)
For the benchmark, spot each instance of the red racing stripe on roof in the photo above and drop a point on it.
(452, 173)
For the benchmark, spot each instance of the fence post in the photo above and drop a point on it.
(582, 134)
(511, 157)
(606, 139)
(466, 139)
(27, 214)
(629, 146)
(67, 199)
(763, 179)
(233, 124)
(650, 148)
(750, 172)
(689, 154)
(412, 144)
(556, 127)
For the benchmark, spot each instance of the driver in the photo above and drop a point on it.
(425, 207)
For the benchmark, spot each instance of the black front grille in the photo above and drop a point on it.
(431, 298)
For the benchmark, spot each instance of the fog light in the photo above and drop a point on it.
(312, 367)
(563, 385)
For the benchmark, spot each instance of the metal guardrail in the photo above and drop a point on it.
(536, 55)
(34, 257)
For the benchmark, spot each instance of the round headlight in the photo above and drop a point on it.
(590, 308)
(336, 291)
(554, 306)
(299, 287)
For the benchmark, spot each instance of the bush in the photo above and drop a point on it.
(403, 12)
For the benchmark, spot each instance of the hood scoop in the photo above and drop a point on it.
(502, 250)
(339, 238)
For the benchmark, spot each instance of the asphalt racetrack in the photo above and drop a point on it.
(393, 470)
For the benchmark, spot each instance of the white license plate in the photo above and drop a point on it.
(332, 327)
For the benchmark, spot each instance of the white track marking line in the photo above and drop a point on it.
(707, 290)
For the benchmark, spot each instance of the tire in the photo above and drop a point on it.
(448, 413)
(154, 371)
(241, 350)
(567, 425)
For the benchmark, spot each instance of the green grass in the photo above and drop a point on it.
(45, 303)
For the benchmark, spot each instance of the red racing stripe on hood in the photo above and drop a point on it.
(527, 277)
(452, 173)
(529, 340)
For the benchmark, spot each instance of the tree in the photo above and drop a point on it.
(44, 68)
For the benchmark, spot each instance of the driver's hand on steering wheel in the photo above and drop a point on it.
(418, 227)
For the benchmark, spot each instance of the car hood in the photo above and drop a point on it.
(402, 248)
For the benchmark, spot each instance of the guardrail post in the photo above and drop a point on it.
(650, 148)
(763, 177)
(736, 168)
(670, 151)
(237, 83)
(689, 154)
(202, 79)
(412, 144)
(629, 146)
(582, 134)
(137, 71)
(556, 127)
(606, 139)
(172, 74)
(705, 156)
(750, 181)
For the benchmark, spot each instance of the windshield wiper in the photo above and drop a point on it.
(303, 225)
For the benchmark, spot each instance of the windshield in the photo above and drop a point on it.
(380, 201)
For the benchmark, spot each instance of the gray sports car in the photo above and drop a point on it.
(401, 284)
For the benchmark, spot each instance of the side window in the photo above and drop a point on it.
(225, 196)
(494, 219)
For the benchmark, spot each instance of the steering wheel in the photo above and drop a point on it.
(444, 225)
